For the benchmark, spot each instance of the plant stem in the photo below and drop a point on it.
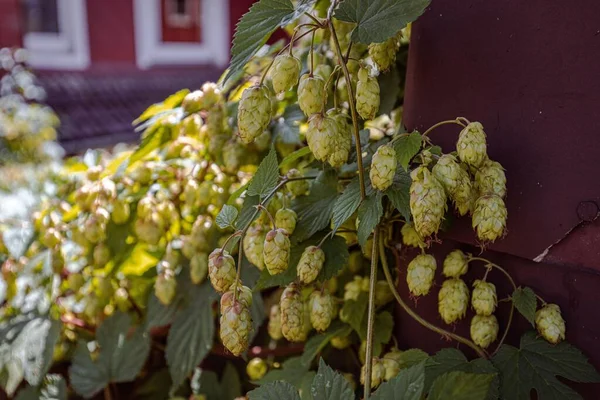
(239, 270)
(351, 100)
(107, 395)
(371, 314)
(450, 121)
(417, 317)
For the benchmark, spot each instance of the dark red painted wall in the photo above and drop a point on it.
(10, 24)
(111, 32)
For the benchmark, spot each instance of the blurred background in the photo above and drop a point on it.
(100, 63)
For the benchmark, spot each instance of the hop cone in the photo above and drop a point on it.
(484, 330)
(392, 363)
(121, 212)
(353, 288)
(284, 72)
(321, 130)
(341, 342)
(321, 310)
(256, 368)
(489, 217)
(254, 242)
(383, 167)
(311, 92)
(292, 314)
(383, 293)
(340, 144)
(483, 299)
(550, 323)
(274, 326)
(377, 373)
(456, 182)
(455, 264)
(202, 233)
(244, 296)
(165, 287)
(276, 251)
(221, 270)
(199, 268)
(355, 261)
(254, 113)
(490, 179)
(471, 145)
(299, 187)
(367, 95)
(427, 202)
(410, 237)
(233, 155)
(236, 326)
(310, 264)
(420, 273)
(384, 54)
(453, 300)
(285, 218)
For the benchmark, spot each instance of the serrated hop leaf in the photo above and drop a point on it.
(471, 145)
(319, 135)
(221, 270)
(483, 299)
(256, 368)
(367, 95)
(310, 264)
(489, 217)
(165, 287)
(244, 295)
(121, 211)
(490, 179)
(198, 268)
(322, 310)
(484, 330)
(392, 362)
(341, 342)
(453, 300)
(377, 373)
(410, 237)
(297, 187)
(276, 251)
(353, 288)
(233, 155)
(285, 218)
(383, 293)
(427, 202)
(550, 323)
(456, 182)
(254, 242)
(311, 94)
(235, 327)
(274, 325)
(284, 72)
(292, 314)
(455, 264)
(254, 113)
(384, 54)
(420, 274)
(383, 167)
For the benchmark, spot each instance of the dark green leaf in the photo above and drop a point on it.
(292, 370)
(399, 193)
(53, 388)
(407, 385)
(383, 327)
(235, 195)
(407, 147)
(525, 302)
(389, 84)
(330, 385)
(378, 20)
(158, 314)
(536, 364)
(154, 387)
(266, 177)
(315, 344)
(258, 313)
(307, 380)
(411, 357)
(248, 211)
(207, 383)
(294, 156)
(170, 102)
(279, 390)
(346, 204)
(354, 311)
(458, 385)
(232, 387)
(287, 127)
(87, 377)
(369, 214)
(226, 216)
(336, 257)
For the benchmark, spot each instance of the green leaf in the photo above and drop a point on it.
(207, 383)
(354, 311)
(399, 193)
(407, 147)
(346, 204)
(255, 27)
(369, 214)
(191, 335)
(292, 370)
(155, 136)
(53, 388)
(525, 302)
(383, 327)
(266, 177)
(247, 212)
(287, 127)
(460, 385)
(306, 384)
(258, 313)
(170, 102)
(411, 357)
(154, 387)
(536, 364)
(294, 156)
(330, 385)
(378, 20)
(231, 384)
(390, 87)
(226, 216)
(315, 344)
(235, 195)
(279, 390)
(336, 257)
(407, 385)
(159, 314)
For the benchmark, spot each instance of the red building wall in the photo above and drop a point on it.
(111, 32)
(10, 24)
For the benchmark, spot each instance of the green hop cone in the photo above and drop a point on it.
(323, 71)
(471, 145)
(319, 135)
(322, 310)
(202, 233)
(101, 255)
(550, 323)
(284, 72)
(455, 264)
(341, 139)
(311, 92)
(75, 281)
(410, 237)
(285, 218)
(383, 167)
(276, 251)
(199, 268)
(484, 330)
(392, 362)
(254, 113)
(165, 287)
(341, 342)
(355, 261)
(483, 299)
(377, 373)
(244, 295)
(353, 288)
(233, 155)
(383, 293)
(427, 202)
(254, 242)
(292, 314)
(221, 270)
(236, 326)
(456, 182)
(121, 212)
(256, 368)
(453, 300)
(367, 95)
(489, 217)
(420, 273)
(384, 54)
(310, 264)
(297, 187)
(490, 178)
(274, 325)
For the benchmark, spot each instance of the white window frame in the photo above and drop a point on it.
(69, 48)
(152, 51)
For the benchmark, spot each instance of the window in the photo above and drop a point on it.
(179, 13)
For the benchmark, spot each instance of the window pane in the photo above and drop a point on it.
(41, 16)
